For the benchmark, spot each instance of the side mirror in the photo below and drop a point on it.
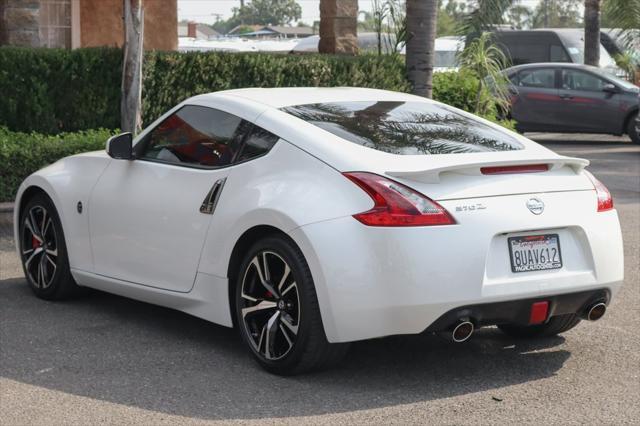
(120, 146)
(610, 88)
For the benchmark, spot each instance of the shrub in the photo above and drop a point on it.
(22, 153)
(58, 90)
(457, 89)
(171, 77)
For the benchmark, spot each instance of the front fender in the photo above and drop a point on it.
(68, 182)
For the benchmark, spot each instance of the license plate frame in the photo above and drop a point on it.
(547, 242)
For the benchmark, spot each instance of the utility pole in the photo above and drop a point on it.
(130, 105)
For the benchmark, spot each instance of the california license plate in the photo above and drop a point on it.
(535, 252)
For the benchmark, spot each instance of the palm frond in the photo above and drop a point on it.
(625, 14)
(483, 16)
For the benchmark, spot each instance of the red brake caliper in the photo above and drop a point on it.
(34, 242)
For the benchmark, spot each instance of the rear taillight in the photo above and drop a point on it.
(605, 201)
(505, 170)
(396, 204)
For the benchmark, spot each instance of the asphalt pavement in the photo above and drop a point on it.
(105, 359)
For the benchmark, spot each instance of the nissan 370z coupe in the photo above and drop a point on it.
(313, 217)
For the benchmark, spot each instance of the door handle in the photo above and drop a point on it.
(566, 97)
(211, 200)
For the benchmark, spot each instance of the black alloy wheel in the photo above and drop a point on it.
(277, 311)
(43, 250)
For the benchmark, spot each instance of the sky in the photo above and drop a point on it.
(207, 11)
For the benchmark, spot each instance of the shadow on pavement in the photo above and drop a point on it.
(113, 349)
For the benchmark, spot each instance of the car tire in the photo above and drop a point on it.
(555, 325)
(631, 129)
(277, 311)
(43, 250)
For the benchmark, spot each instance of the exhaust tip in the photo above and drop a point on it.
(462, 331)
(597, 311)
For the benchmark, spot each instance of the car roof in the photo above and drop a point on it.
(288, 96)
(551, 65)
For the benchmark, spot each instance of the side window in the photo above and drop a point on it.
(520, 53)
(540, 78)
(258, 143)
(557, 54)
(578, 80)
(194, 135)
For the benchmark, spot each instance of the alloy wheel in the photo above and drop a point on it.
(39, 247)
(270, 305)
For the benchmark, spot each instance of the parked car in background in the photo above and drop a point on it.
(562, 97)
(446, 53)
(367, 42)
(549, 45)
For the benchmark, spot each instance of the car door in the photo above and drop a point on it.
(535, 99)
(587, 107)
(146, 222)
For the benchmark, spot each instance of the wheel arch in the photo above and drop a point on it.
(29, 189)
(242, 245)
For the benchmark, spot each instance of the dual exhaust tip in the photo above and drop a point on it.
(595, 311)
(465, 328)
(462, 331)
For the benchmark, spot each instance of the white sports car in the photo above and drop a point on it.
(313, 217)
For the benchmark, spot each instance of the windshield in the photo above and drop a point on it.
(620, 82)
(406, 128)
(574, 42)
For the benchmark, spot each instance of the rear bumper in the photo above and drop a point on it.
(373, 282)
(519, 311)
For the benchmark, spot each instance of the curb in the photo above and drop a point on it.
(6, 207)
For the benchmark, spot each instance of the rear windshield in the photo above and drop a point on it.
(405, 128)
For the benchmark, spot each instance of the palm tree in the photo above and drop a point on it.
(625, 14)
(592, 32)
(421, 34)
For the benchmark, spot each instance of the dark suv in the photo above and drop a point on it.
(562, 97)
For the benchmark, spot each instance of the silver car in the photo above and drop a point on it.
(563, 97)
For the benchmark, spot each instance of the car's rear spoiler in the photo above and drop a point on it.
(432, 175)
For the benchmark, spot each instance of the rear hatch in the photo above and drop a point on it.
(525, 219)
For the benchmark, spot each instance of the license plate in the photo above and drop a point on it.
(535, 253)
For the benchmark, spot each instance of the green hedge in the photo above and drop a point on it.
(55, 90)
(22, 153)
(170, 77)
(59, 90)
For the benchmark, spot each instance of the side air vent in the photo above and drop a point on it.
(210, 201)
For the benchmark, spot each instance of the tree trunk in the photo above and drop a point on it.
(130, 104)
(592, 32)
(421, 34)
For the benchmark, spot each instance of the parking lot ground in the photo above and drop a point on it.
(106, 359)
